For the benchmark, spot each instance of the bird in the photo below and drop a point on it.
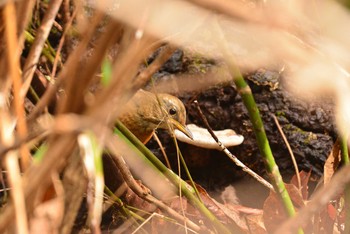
(147, 111)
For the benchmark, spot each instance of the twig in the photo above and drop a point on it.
(135, 187)
(9, 18)
(76, 93)
(37, 175)
(69, 67)
(7, 132)
(25, 9)
(160, 216)
(123, 131)
(16, 183)
(14, 176)
(66, 12)
(229, 154)
(289, 150)
(62, 40)
(162, 149)
(38, 45)
(162, 57)
(39, 135)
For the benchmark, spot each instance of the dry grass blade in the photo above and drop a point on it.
(9, 14)
(146, 74)
(92, 153)
(14, 174)
(74, 102)
(290, 151)
(70, 65)
(38, 45)
(17, 195)
(37, 174)
(141, 191)
(60, 46)
(7, 128)
(156, 138)
(24, 16)
(120, 90)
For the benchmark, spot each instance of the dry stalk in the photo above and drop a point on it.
(9, 17)
(16, 184)
(147, 74)
(120, 90)
(62, 40)
(136, 188)
(84, 72)
(38, 45)
(75, 56)
(156, 138)
(25, 9)
(297, 174)
(11, 163)
(187, 230)
(36, 176)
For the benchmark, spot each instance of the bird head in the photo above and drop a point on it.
(147, 111)
(173, 114)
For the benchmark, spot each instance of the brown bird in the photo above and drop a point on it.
(146, 112)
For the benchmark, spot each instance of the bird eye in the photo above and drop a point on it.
(172, 111)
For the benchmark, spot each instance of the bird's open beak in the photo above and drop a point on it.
(181, 128)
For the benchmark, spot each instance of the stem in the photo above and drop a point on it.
(254, 115)
(345, 159)
(122, 131)
(344, 150)
(263, 144)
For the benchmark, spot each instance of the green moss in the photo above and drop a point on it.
(280, 113)
(307, 136)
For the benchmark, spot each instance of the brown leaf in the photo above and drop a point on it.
(332, 162)
(326, 219)
(274, 212)
(255, 223)
(244, 219)
(226, 214)
(253, 220)
(304, 178)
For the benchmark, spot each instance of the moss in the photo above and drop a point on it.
(280, 113)
(305, 136)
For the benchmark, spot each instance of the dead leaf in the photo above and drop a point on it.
(304, 177)
(332, 162)
(274, 212)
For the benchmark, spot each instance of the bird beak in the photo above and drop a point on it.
(181, 128)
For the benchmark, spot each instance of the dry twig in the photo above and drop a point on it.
(229, 154)
(289, 150)
(135, 187)
(38, 45)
